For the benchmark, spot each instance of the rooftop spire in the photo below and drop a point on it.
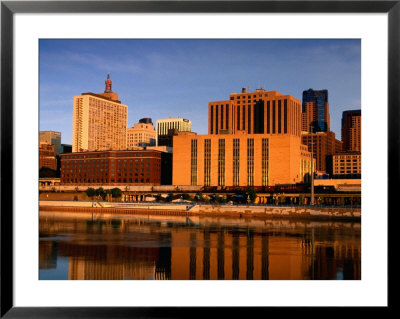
(108, 84)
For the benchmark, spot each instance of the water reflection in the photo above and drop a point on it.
(178, 248)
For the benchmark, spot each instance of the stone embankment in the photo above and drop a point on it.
(190, 209)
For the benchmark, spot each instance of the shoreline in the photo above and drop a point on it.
(190, 209)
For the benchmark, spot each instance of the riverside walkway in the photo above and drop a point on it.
(201, 209)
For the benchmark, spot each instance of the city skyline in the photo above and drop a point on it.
(177, 78)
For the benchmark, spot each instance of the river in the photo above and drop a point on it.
(82, 246)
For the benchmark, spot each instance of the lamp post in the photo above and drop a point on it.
(312, 166)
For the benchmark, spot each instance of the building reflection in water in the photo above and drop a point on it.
(132, 249)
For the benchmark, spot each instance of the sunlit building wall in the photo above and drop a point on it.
(239, 159)
(141, 134)
(99, 122)
(52, 138)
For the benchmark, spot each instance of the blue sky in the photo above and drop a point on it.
(177, 78)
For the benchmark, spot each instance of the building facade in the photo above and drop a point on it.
(321, 144)
(99, 121)
(351, 130)
(345, 165)
(315, 111)
(52, 138)
(127, 167)
(47, 157)
(254, 140)
(239, 159)
(166, 126)
(258, 112)
(141, 134)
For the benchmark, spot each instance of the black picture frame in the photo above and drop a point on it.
(9, 8)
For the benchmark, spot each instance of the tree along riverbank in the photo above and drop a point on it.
(190, 209)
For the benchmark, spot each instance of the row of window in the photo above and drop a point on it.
(236, 162)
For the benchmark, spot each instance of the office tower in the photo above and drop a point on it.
(254, 139)
(46, 156)
(141, 134)
(99, 121)
(315, 111)
(351, 130)
(322, 144)
(167, 128)
(52, 138)
(258, 112)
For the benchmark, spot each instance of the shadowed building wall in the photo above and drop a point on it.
(351, 130)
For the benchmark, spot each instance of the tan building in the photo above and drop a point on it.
(351, 130)
(141, 134)
(254, 140)
(345, 164)
(258, 112)
(322, 144)
(46, 156)
(52, 138)
(99, 121)
(239, 159)
(167, 127)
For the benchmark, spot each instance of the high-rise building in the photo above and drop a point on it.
(258, 112)
(141, 134)
(99, 121)
(321, 144)
(351, 130)
(52, 138)
(315, 111)
(166, 128)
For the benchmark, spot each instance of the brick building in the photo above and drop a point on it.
(351, 130)
(46, 156)
(323, 145)
(127, 167)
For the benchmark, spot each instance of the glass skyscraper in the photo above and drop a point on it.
(315, 109)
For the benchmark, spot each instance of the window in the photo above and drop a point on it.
(193, 162)
(250, 161)
(236, 161)
(207, 162)
(221, 162)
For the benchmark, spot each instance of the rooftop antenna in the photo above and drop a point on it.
(108, 83)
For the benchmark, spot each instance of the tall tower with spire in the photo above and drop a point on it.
(99, 121)
(108, 93)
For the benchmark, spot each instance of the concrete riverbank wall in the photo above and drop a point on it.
(243, 211)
